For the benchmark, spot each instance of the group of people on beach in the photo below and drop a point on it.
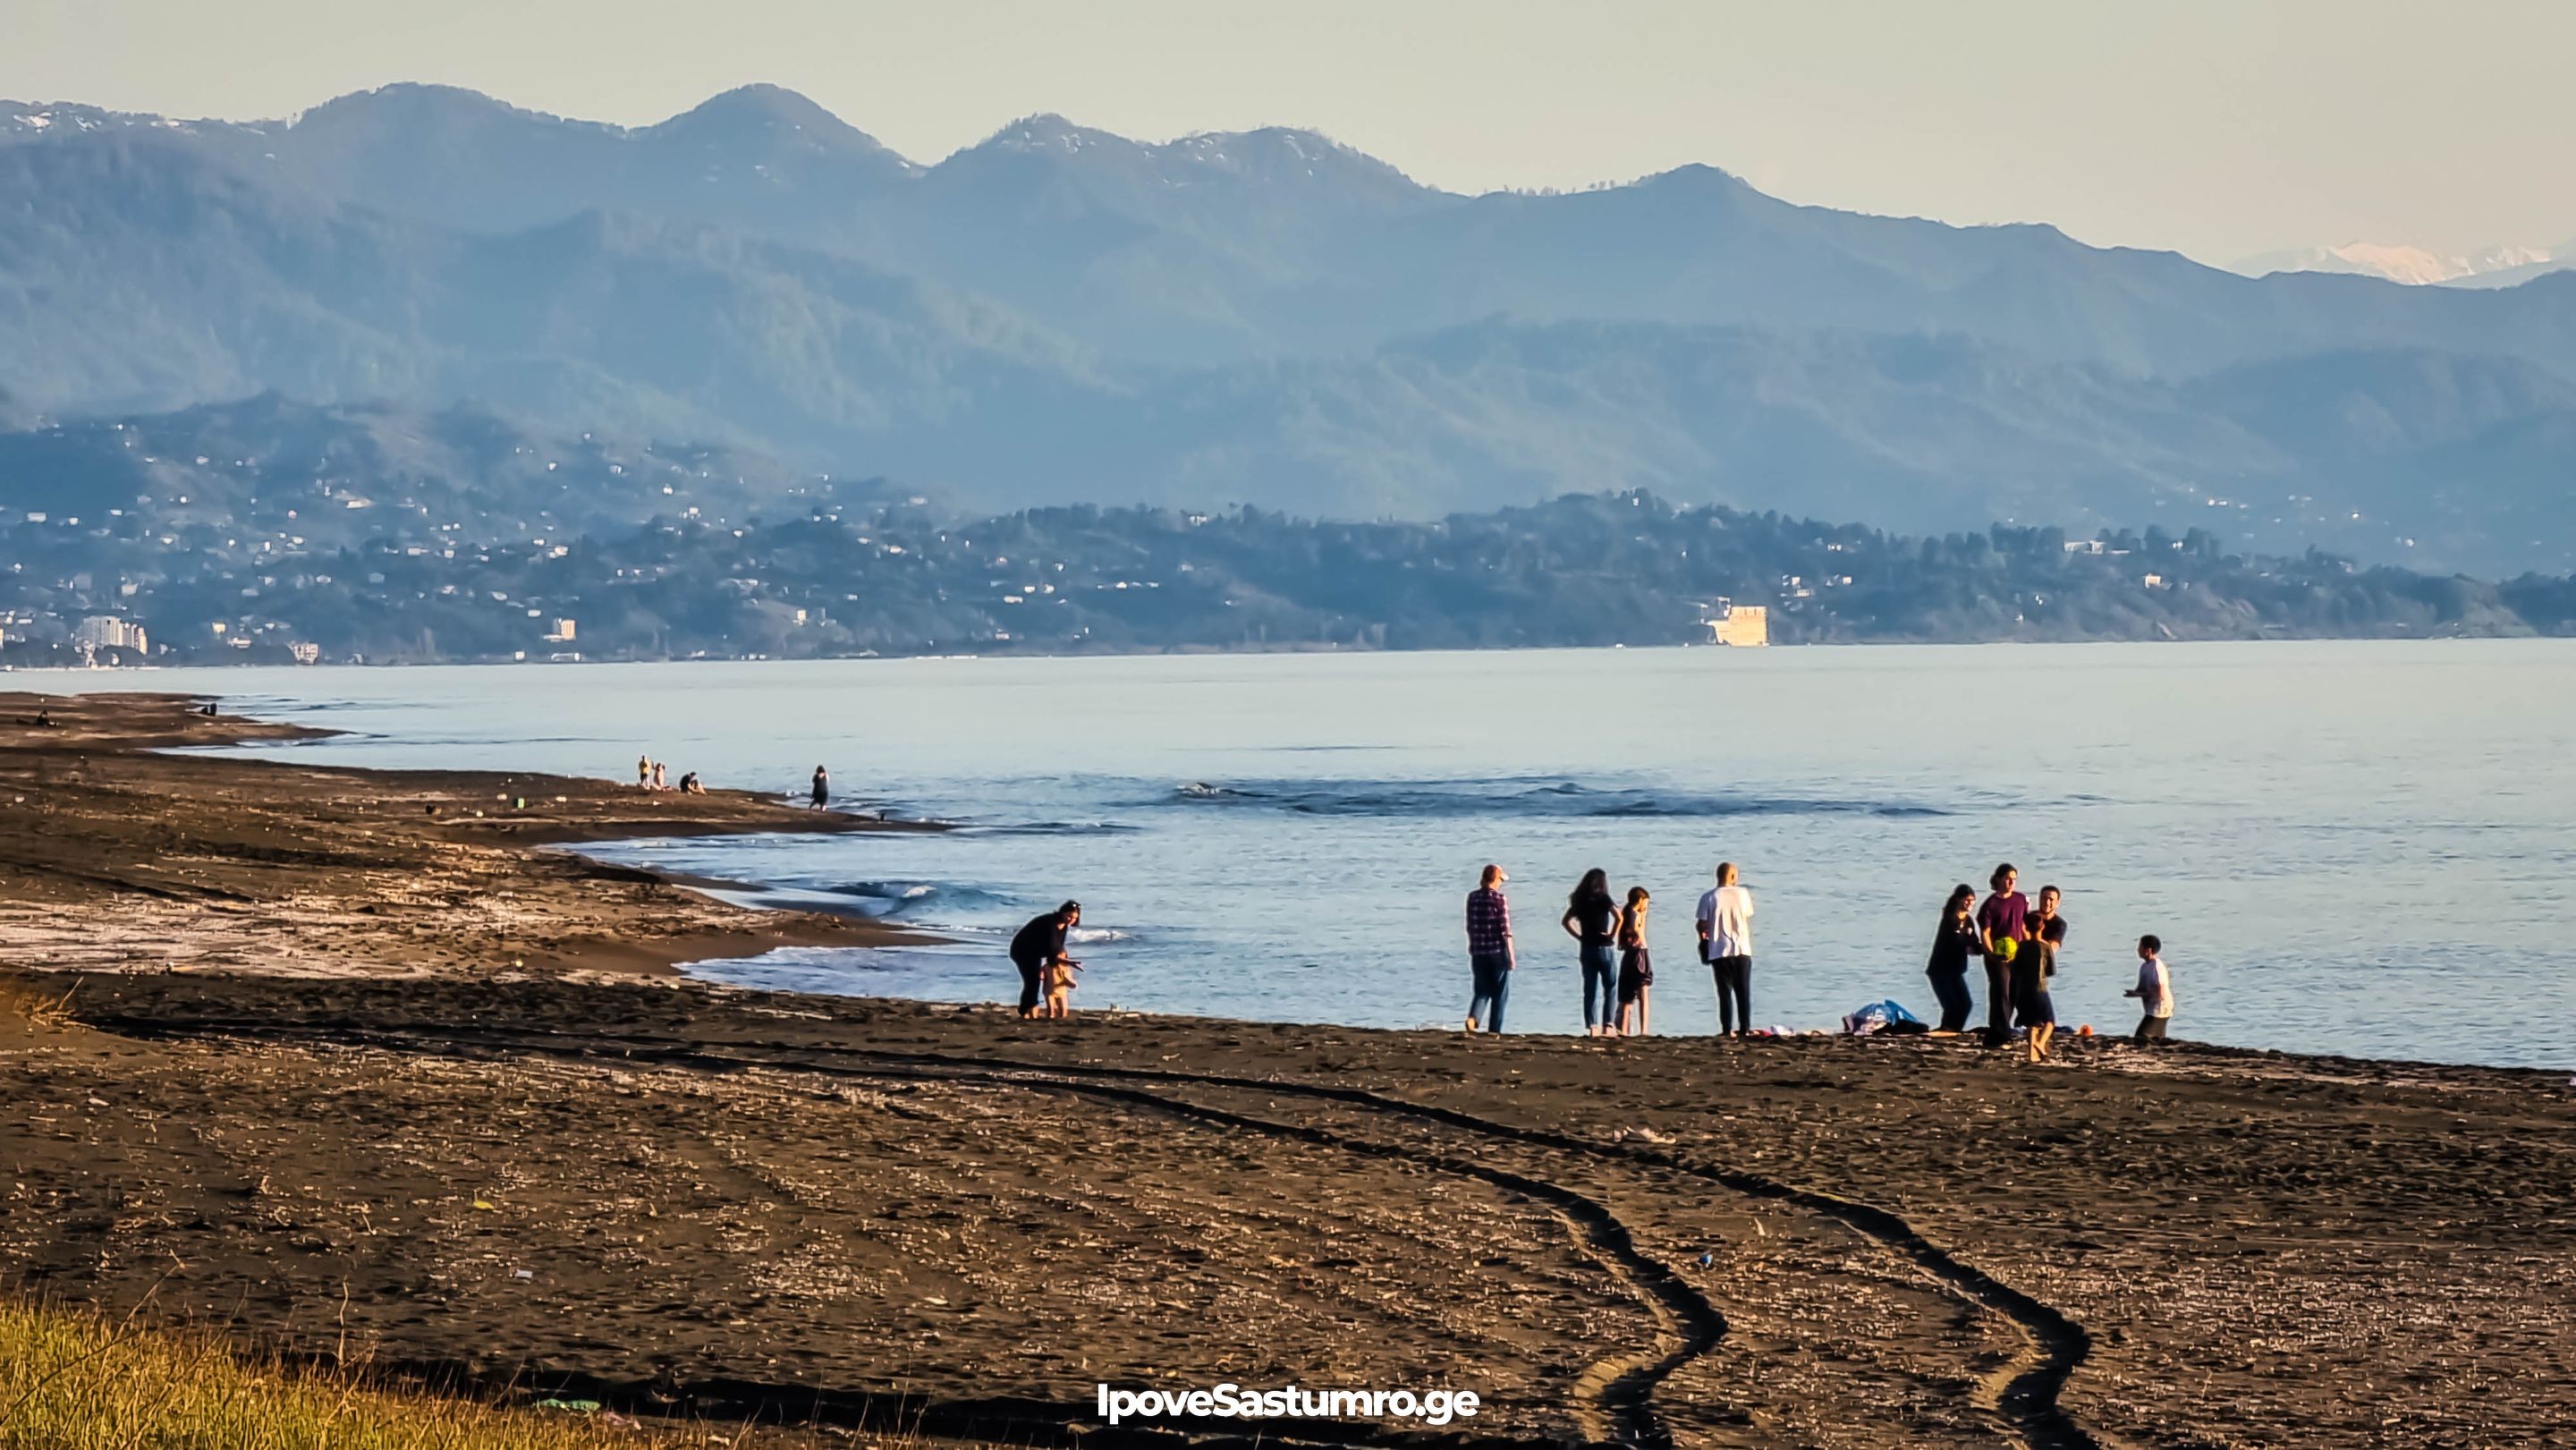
(1610, 937)
(651, 774)
(2016, 940)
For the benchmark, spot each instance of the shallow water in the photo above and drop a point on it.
(2350, 847)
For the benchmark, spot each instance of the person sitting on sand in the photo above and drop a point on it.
(2032, 970)
(2001, 928)
(1039, 947)
(1954, 941)
(2154, 993)
(689, 785)
(1489, 951)
(661, 781)
(1592, 919)
(822, 788)
(1636, 968)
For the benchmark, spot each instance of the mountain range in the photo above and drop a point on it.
(1059, 314)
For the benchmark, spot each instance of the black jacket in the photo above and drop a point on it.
(1041, 940)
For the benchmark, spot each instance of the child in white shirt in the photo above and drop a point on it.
(2154, 992)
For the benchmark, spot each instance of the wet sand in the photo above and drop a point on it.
(116, 854)
(681, 1197)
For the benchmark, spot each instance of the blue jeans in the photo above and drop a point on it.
(1493, 985)
(1600, 968)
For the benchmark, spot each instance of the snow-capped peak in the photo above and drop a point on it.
(2395, 262)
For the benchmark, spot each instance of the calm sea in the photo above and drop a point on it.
(2357, 848)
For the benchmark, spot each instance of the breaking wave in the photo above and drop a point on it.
(1517, 797)
(900, 898)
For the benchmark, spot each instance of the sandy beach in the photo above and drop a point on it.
(296, 1054)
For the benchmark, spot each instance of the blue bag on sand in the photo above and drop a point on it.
(1878, 1016)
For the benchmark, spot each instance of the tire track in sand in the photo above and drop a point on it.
(2021, 1396)
(1614, 1395)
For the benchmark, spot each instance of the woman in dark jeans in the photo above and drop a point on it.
(1592, 919)
(1954, 945)
(2003, 925)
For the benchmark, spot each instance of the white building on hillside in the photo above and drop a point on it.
(106, 631)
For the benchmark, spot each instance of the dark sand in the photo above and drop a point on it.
(115, 855)
(683, 1197)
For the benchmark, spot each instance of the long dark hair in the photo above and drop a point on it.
(1996, 881)
(1959, 895)
(1595, 886)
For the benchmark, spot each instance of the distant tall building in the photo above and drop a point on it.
(1744, 626)
(106, 631)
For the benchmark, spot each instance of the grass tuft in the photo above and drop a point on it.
(47, 1012)
(73, 1381)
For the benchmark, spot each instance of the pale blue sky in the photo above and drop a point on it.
(2217, 129)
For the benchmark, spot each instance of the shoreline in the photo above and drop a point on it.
(139, 853)
(1265, 651)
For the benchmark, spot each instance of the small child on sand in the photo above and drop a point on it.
(1059, 987)
(2154, 992)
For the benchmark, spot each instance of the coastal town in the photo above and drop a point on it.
(527, 550)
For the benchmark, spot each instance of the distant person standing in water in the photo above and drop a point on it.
(2002, 925)
(2154, 993)
(1726, 944)
(823, 791)
(1489, 951)
(2038, 963)
(1954, 941)
(1039, 947)
(1636, 968)
(1592, 919)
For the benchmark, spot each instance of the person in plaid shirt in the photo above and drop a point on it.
(1489, 951)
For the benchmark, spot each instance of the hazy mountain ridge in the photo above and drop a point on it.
(1061, 314)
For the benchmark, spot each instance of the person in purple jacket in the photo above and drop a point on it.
(2004, 918)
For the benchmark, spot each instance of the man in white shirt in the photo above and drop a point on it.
(1726, 944)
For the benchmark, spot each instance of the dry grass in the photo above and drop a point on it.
(40, 1009)
(72, 1381)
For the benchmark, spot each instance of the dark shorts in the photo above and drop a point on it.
(1636, 974)
(2152, 1029)
(2036, 1007)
